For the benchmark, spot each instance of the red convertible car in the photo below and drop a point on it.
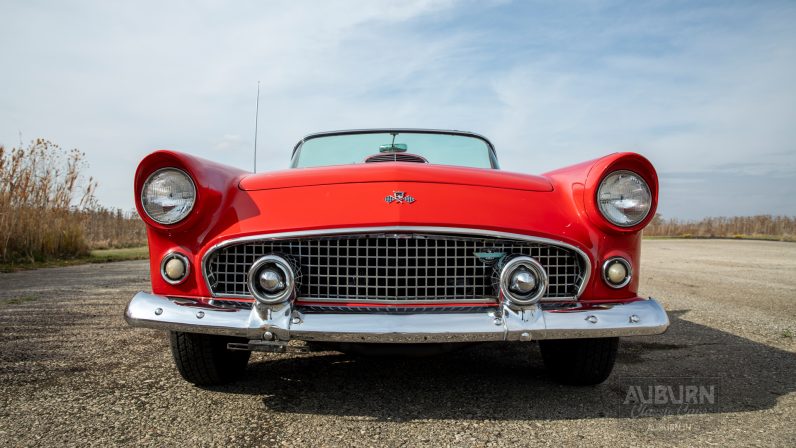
(394, 238)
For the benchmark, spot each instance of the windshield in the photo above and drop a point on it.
(437, 148)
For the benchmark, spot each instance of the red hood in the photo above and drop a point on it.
(394, 171)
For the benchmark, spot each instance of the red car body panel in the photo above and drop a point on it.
(395, 172)
(559, 205)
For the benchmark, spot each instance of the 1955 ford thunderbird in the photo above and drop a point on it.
(394, 238)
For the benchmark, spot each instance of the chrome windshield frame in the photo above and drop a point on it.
(493, 160)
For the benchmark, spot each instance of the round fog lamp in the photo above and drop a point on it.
(522, 280)
(271, 279)
(174, 268)
(617, 272)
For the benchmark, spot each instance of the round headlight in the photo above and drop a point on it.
(624, 198)
(168, 195)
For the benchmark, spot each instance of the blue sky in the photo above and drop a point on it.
(703, 89)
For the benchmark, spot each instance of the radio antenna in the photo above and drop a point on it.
(256, 125)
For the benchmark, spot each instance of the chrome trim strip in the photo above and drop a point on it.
(426, 301)
(642, 317)
(399, 229)
(332, 299)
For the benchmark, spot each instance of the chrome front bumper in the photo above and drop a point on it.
(281, 322)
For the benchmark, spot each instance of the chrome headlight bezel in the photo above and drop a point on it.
(146, 200)
(603, 204)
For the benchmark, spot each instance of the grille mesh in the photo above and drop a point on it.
(393, 267)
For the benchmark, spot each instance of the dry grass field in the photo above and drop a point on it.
(48, 210)
(761, 227)
(73, 374)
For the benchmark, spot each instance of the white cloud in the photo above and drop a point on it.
(707, 88)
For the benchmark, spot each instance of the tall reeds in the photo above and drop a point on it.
(48, 208)
(105, 228)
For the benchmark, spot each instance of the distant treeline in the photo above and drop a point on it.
(48, 209)
(782, 228)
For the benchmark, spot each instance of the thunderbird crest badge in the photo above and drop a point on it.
(399, 197)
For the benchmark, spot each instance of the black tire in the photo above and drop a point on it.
(580, 362)
(204, 360)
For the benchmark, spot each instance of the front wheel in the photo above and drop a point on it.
(204, 359)
(581, 362)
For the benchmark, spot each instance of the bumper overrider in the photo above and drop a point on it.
(283, 322)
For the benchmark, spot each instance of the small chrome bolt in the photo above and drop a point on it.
(634, 319)
(498, 321)
(268, 336)
(158, 311)
(591, 319)
(525, 336)
(296, 320)
(200, 314)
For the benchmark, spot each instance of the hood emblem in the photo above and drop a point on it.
(399, 197)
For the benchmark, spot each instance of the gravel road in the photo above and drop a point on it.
(73, 373)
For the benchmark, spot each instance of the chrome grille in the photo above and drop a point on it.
(394, 267)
